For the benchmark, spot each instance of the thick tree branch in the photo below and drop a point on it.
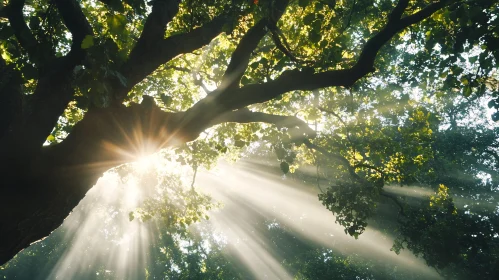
(153, 33)
(140, 66)
(395, 24)
(14, 12)
(53, 90)
(233, 99)
(75, 21)
(398, 11)
(11, 94)
(241, 56)
(60, 175)
(299, 129)
(215, 105)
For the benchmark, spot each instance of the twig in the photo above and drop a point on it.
(396, 201)
(194, 176)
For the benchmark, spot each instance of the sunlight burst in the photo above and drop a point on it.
(145, 163)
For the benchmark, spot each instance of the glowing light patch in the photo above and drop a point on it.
(146, 163)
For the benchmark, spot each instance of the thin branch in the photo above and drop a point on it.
(194, 176)
(493, 154)
(341, 159)
(322, 109)
(396, 201)
(283, 46)
(363, 165)
(344, 28)
(318, 174)
(199, 82)
(298, 128)
(178, 68)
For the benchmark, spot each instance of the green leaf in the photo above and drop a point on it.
(239, 143)
(495, 116)
(303, 3)
(284, 167)
(491, 103)
(308, 19)
(167, 100)
(318, 6)
(314, 37)
(467, 91)
(87, 42)
(116, 23)
(465, 81)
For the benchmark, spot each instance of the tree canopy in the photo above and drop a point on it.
(375, 94)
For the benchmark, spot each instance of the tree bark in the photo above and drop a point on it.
(41, 185)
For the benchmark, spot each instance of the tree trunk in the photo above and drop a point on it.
(39, 192)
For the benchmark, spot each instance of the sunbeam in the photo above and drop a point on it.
(248, 192)
(101, 228)
(265, 222)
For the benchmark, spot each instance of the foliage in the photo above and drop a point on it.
(444, 235)
(324, 264)
(352, 203)
(372, 93)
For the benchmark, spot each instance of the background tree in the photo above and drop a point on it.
(74, 72)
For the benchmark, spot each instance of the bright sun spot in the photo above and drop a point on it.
(145, 163)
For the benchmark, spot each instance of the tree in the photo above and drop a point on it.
(75, 71)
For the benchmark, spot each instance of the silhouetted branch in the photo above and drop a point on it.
(322, 109)
(344, 28)
(154, 29)
(14, 12)
(297, 128)
(396, 201)
(248, 43)
(308, 80)
(143, 63)
(362, 165)
(75, 20)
